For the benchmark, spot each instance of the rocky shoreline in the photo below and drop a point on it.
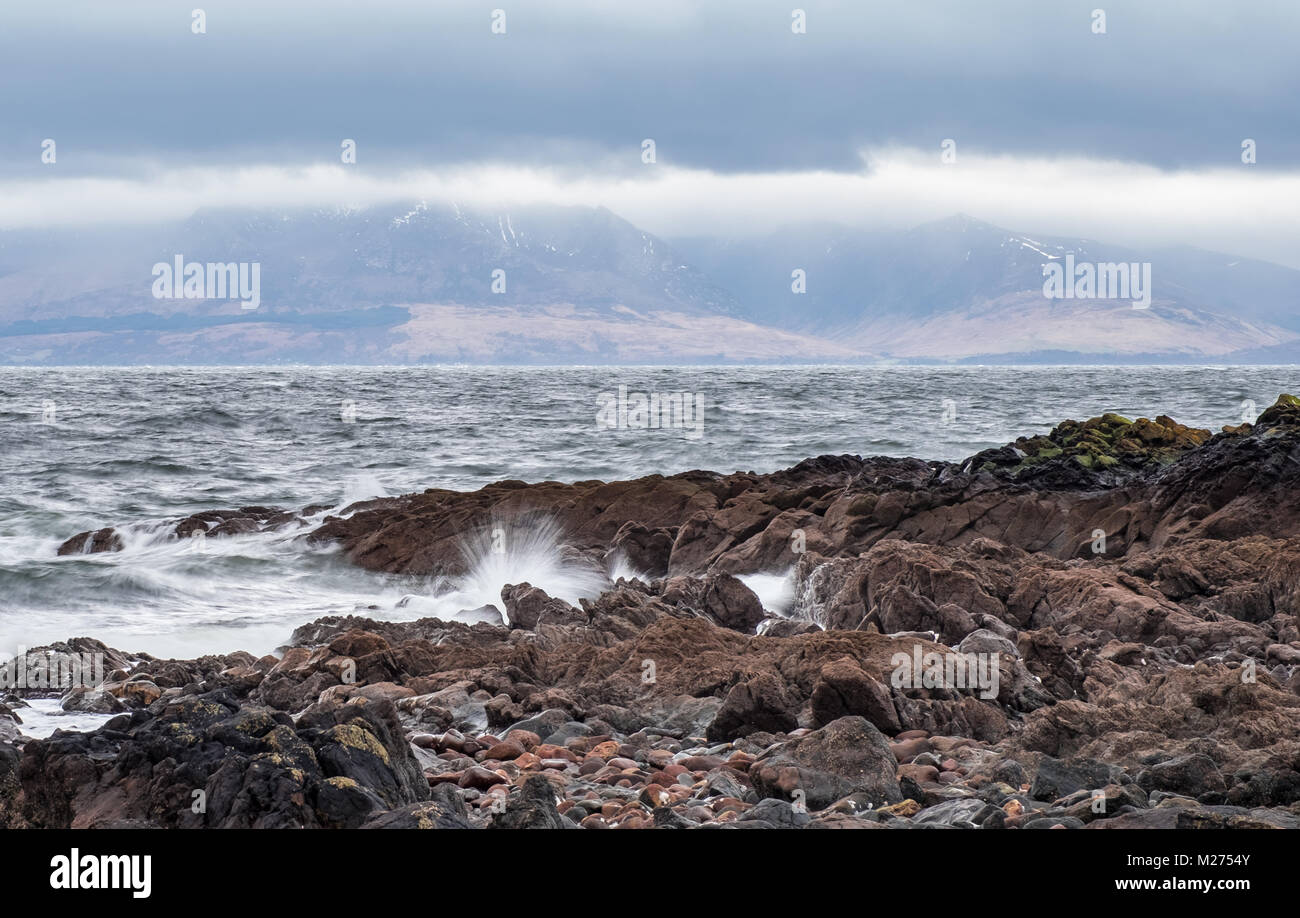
(1135, 586)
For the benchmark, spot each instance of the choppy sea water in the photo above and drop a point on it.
(83, 448)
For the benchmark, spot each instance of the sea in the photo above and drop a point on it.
(83, 448)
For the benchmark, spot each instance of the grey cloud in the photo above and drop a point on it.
(722, 86)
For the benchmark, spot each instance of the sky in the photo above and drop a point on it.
(1133, 135)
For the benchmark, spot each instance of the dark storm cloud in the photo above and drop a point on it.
(721, 86)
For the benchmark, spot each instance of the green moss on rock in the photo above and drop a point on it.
(355, 736)
(1110, 442)
(1282, 415)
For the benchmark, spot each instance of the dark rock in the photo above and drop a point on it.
(90, 701)
(1009, 771)
(847, 756)
(444, 810)
(85, 543)
(1053, 822)
(759, 704)
(1056, 778)
(1192, 775)
(250, 768)
(969, 813)
(1269, 787)
(843, 689)
(642, 548)
(790, 627)
(531, 807)
(526, 605)
(668, 818)
(778, 813)
(544, 724)
(732, 604)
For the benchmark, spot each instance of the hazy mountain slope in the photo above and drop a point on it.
(1023, 325)
(415, 283)
(366, 285)
(961, 288)
(323, 261)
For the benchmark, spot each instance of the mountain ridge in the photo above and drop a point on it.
(420, 282)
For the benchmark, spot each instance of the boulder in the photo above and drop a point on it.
(847, 756)
(757, 705)
(530, 807)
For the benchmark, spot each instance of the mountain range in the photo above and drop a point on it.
(546, 284)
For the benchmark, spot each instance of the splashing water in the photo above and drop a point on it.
(526, 549)
(160, 443)
(359, 487)
(42, 716)
(621, 569)
(774, 591)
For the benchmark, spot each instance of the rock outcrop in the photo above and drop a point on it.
(1094, 628)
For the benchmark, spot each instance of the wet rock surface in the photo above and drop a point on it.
(1127, 593)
